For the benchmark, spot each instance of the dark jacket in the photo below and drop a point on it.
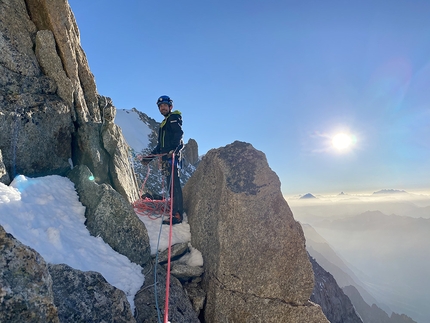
(170, 135)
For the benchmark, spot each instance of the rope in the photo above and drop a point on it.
(155, 273)
(166, 306)
(155, 209)
(149, 207)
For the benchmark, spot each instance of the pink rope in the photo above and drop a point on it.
(166, 305)
(147, 207)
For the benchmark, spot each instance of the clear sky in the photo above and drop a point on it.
(285, 76)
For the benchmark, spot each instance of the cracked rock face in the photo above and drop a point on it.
(50, 110)
(256, 265)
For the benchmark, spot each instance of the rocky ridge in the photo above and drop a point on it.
(373, 314)
(336, 306)
(53, 120)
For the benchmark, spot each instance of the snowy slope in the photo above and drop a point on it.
(45, 214)
(134, 130)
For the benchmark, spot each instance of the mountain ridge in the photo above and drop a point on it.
(379, 246)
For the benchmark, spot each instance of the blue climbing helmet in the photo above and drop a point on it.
(164, 99)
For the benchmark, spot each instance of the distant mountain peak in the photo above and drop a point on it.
(390, 191)
(308, 196)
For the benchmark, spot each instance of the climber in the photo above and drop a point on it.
(170, 143)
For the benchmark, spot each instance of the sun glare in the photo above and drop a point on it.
(341, 141)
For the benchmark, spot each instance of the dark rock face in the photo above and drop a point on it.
(256, 265)
(336, 306)
(35, 124)
(180, 307)
(87, 297)
(4, 175)
(191, 152)
(37, 141)
(25, 284)
(111, 217)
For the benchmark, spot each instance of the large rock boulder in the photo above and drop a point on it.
(87, 297)
(111, 217)
(25, 284)
(256, 265)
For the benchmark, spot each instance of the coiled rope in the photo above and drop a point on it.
(145, 206)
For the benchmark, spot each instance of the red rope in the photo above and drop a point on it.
(153, 209)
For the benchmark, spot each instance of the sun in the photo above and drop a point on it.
(342, 141)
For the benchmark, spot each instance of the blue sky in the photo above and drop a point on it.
(285, 76)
